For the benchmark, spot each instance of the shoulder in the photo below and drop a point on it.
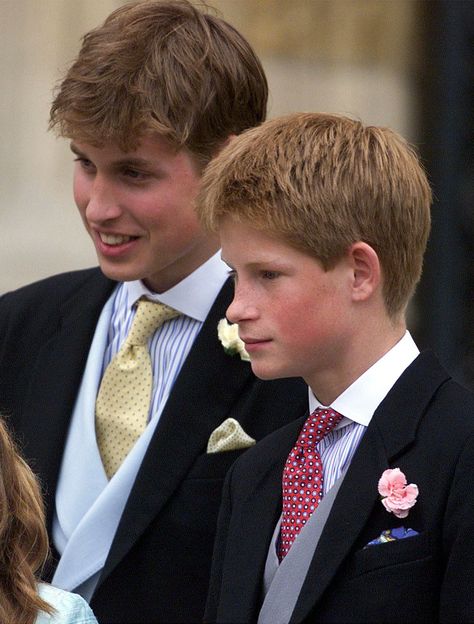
(69, 608)
(427, 396)
(439, 412)
(60, 285)
(454, 406)
(453, 410)
(52, 293)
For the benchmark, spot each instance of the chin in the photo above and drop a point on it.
(118, 274)
(267, 372)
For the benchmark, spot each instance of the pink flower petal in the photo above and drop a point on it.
(398, 497)
(391, 480)
(400, 513)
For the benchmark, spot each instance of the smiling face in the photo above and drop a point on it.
(294, 318)
(138, 208)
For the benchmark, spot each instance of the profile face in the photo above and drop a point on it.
(138, 208)
(294, 317)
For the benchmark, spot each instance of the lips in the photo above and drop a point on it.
(115, 246)
(115, 239)
(254, 343)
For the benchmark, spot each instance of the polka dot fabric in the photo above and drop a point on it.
(302, 483)
(229, 436)
(124, 396)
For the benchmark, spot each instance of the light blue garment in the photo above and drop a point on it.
(70, 608)
(88, 506)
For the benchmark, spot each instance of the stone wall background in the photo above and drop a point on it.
(350, 56)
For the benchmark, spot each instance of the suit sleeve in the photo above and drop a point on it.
(218, 557)
(457, 595)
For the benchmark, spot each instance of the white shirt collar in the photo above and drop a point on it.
(360, 400)
(194, 295)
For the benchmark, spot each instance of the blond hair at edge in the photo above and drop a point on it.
(164, 67)
(322, 182)
(23, 537)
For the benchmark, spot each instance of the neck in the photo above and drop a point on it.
(364, 350)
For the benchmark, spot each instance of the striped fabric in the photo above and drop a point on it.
(337, 450)
(358, 403)
(169, 346)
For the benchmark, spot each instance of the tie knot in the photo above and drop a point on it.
(318, 424)
(149, 316)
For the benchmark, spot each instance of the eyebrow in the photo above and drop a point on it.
(127, 161)
(278, 264)
(75, 150)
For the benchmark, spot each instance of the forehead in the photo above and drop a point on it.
(243, 231)
(242, 242)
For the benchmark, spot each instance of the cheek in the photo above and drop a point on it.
(80, 189)
(294, 322)
(305, 325)
(179, 222)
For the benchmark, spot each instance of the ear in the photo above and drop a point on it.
(366, 270)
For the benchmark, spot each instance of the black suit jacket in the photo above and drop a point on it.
(158, 566)
(425, 426)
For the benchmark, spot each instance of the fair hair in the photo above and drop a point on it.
(322, 182)
(164, 67)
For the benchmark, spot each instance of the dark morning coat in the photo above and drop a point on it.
(425, 426)
(158, 566)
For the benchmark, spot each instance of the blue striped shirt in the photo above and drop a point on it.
(357, 404)
(170, 344)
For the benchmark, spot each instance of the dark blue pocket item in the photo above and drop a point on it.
(390, 535)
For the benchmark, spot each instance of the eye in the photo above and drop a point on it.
(135, 174)
(270, 275)
(85, 164)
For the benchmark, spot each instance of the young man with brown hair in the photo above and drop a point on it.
(361, 511)
(141, 421)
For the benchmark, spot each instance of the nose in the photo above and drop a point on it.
(242, 307)
(101, 203)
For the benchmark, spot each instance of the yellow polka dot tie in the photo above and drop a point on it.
(123, 401)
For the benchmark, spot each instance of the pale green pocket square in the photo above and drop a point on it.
(229, 436)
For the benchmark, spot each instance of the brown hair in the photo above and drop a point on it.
(322, 182)
(23, 537)
(166, 67)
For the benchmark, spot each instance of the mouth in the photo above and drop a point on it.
(114, 240)
(253, 343)
(114, 246)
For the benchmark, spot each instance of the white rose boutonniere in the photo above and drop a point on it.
(228, 334)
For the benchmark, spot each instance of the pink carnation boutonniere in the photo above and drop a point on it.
(397, 497)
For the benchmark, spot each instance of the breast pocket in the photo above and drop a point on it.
(392, 582)
(398, 552)
(213, 465)
(200, 493)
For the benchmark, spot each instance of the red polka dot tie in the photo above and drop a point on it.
(303, 477)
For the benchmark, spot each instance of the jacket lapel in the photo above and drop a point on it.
(202, 396)
(56, 377)
(261, 509)
(391, 431)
